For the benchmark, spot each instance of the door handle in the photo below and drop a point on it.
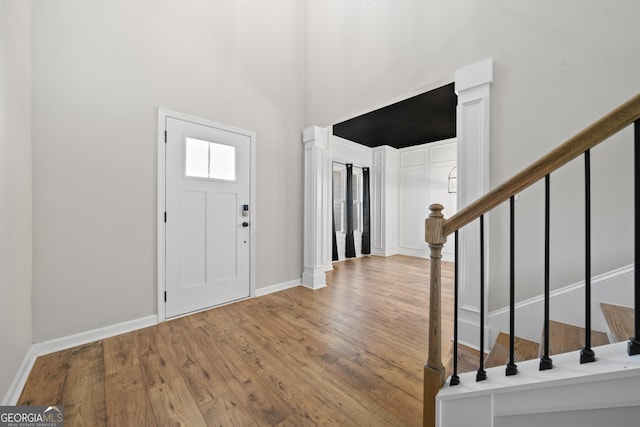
(245, 224)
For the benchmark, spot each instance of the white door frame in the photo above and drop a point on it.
(163, 114)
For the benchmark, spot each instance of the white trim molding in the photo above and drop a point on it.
(19, 381)
(473, 87)
(81, 338)
(278, 287)
(384, 200)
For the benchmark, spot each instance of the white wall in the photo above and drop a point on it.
(558, 67)
(100, 71)
(15, 188)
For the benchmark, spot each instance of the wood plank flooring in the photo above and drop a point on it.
(348, 354)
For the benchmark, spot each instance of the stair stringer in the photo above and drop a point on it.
(566, 305)
(569, 391)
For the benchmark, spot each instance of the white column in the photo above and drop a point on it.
(473, 87)
(317, 207)
(384, 201)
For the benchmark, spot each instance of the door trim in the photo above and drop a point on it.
(163, 115)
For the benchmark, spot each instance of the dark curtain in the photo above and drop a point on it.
(366, 229)
(334, 256)
(350, 247)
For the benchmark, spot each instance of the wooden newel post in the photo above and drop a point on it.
(434, 372)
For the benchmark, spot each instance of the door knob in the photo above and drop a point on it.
(245, 224)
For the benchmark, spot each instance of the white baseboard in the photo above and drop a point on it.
(46, 347)
(81, 338)
(469, 330)
(418, 253)
(277, 287)
(384, 252)
(425, 253)
(15, 389)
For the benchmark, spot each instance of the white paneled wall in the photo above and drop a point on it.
(403, 185)
(384, 201)
(424, 179)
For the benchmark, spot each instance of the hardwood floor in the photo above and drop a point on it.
(348, 354)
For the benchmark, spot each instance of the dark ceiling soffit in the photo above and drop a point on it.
(428, 117)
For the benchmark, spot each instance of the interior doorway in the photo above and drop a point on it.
(412, 150)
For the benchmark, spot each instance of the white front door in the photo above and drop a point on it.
(207, 220)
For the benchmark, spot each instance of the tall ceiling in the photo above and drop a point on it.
(428, 117)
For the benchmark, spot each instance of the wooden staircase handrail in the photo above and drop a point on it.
(599, 131)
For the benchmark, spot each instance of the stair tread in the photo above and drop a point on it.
(564, 338)
(620, 320)
(523, 350)
(468, 360)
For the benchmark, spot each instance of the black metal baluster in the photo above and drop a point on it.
(455, 379)
(586, 354)
(633, 346)
(512, 368)
(545, 360)
(482, 374)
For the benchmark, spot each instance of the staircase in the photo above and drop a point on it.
(595, 386)
(563, 338)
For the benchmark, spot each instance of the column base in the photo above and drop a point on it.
(314, 280)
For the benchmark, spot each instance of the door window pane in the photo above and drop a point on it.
(222, 161)
(205, 159)
(197, 158)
